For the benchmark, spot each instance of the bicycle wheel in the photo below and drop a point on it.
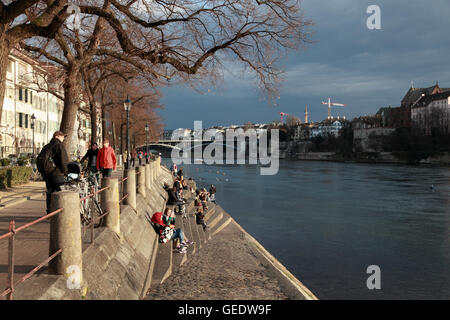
(86, 212)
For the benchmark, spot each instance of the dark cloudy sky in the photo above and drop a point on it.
(366, 69)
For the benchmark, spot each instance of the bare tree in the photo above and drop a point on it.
(292, 121)
(24, 19)
(180, 40)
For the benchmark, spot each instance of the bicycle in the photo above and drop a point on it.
(86, 184)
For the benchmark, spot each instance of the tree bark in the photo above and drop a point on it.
(5, 47)
(72, 91)
(103, 125)
(94, 127)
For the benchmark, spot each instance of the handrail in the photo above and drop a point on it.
(11, 236)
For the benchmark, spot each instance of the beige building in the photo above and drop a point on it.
(27, 102)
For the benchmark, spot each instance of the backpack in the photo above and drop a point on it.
(166, 235)
(44, 161)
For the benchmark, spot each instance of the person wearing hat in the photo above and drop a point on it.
(52, 164)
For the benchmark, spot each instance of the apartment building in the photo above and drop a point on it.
(27, 104)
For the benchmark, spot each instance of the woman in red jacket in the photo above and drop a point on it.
(106, 159)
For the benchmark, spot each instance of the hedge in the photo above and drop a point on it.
(13, 176)
(5, 162)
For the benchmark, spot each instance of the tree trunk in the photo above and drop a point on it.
(94, 126)
(72, 91)
(5, 46)
(114, 135)
(104, 135)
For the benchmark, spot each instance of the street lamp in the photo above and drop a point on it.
(147, 128)
(127, 105)
(33, 118)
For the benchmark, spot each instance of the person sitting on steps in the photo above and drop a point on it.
(174, 199)
(168, 219)
(200, 218)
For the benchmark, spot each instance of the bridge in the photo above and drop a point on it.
(173, 144)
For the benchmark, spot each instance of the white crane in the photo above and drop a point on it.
(332, 104)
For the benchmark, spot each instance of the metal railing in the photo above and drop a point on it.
(126, 195)
(11, 235)
(13, 231)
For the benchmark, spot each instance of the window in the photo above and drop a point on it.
(31, 97)
(20, 94)
(10, 66)
(26, 95)
(20, 120)
(26, 121)
(10, 92)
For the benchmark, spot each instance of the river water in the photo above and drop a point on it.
(328, 222)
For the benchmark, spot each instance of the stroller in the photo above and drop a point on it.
(86, 185)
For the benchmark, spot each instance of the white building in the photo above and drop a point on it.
(328, 127)
(25, 97)
(432, 112)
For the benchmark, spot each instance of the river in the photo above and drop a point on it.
(328, 222)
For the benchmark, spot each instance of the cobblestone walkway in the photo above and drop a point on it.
(226, 268)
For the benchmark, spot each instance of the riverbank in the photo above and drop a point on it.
(367, 157)
(128, 263)
(232, 265)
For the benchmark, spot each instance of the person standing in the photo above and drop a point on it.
(106, 159)
(91, 155)
(133, 157)
(52, 164)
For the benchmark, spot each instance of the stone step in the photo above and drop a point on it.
(210, 213)
(188, 231)
(220, 225)
(194, 232)
(178, 259)
(215, 218)
(202, 234)
(163, 264)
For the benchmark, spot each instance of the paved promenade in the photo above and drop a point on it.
(226, 268)
(24, 204)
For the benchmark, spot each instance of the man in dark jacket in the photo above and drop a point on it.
(55, 172)
(91, 155)
(174, 199)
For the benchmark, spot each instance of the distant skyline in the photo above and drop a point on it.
(365, 69)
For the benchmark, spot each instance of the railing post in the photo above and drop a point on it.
(110, 204)
(130, 188)
(65, 233)
(148, 176)
(141, 181)
(12, 228)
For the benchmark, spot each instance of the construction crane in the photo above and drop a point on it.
(332, 104)
(282, 114)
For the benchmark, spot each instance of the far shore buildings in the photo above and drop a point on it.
(432, 113)
(28, 102)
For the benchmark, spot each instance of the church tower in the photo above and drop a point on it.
(306, 114)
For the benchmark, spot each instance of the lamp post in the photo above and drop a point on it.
(127, 105)
(147, 128)
(33, 118)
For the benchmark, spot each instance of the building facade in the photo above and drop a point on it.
(432, 114)
(327, 127)
(29, 108)
(26, 108)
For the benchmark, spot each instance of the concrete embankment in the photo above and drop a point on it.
(224, 263)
